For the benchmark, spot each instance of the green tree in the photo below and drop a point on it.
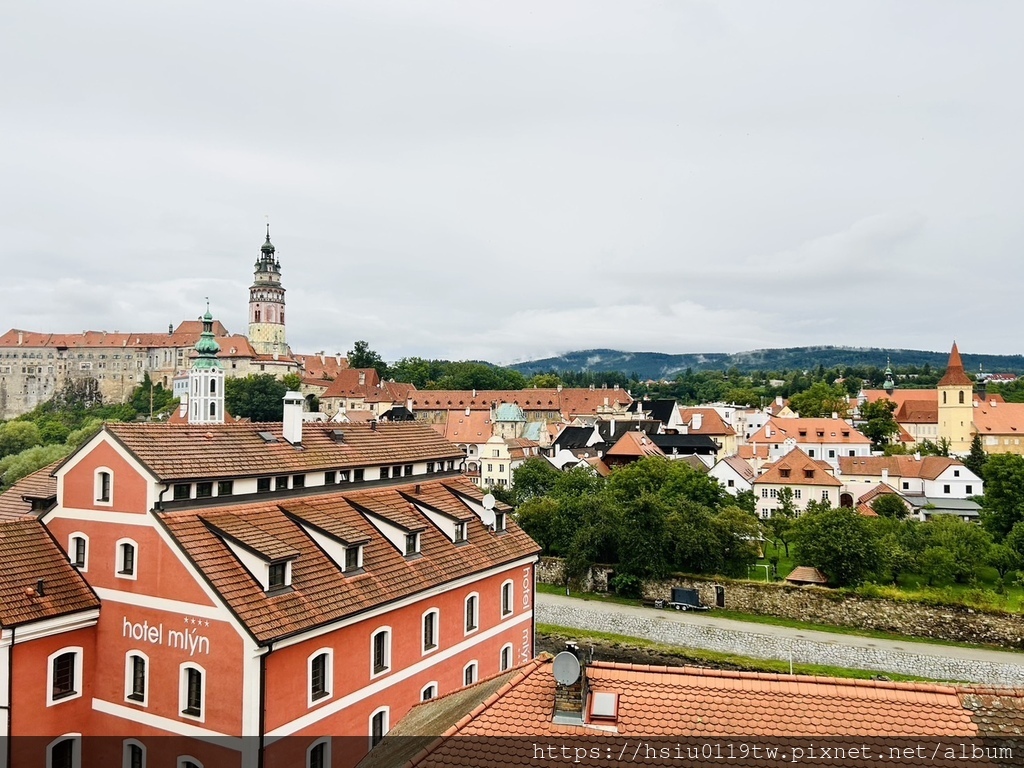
(641, 537)
(538, 516)
(937, 565)
(820, 400)
(259, 397)
(977, 458)
(879, 425)
(1003, 504)
(890, 505)
(162, 400)
(747, 501)
(739, 534)
(672, 480)
(780, 524)
(839, 542)
(967, 544)
(18, 465)
(544, 380)
(361, 356)
(17, 436)
(534, 477)
(1004, 559)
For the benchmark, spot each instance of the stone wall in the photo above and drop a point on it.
(826, 606)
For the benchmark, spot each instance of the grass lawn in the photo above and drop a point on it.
(700, 657)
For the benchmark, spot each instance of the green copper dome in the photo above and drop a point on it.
(207, 346)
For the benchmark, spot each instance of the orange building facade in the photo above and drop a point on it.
(267, 594)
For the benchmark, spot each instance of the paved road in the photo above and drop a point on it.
(704, 630)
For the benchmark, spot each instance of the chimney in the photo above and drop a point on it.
(39, 588)
(570, 685)
(170, 329)
(696, 421)
(474, 393)
(885, 475)
(835, 414)
(778, 399)
(292, 427)
(559, 388)
(917, 456)
(362, 378)
(21, 338)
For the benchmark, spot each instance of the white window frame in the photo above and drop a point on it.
(476, 613)
(328, 677)
(98, 487)
(84, 567)
(475, 666)
(182, 759)
(183, 691)
(431, 684)
(387, 651)
(129, 678)
(511, 657)
(386, 711)
(125, 760)
(119, 559)
(76, 749)
(437, 631)
(78, 652)
(326, 741)
(511, 598)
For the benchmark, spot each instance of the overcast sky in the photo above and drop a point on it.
(511, 180)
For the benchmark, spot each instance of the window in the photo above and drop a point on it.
(78, 550)
(506, 599)
(103, 483)
(407, 470)
(319, 754)
(63, 753)
(378, 726)
(182, 491)
(831, 454)
(385, 472)
(126, 549)
(281, 483)
(796, 493)
(429, 691)
(490, 467)
(135, 679)
(499, 521)
(262, 485)
(811, 452)
(344, 475)
(357, 475)
(353, 559)
(278, 577)
(396, 471)
(430, 466)
(320, 675)
(773, 493)
(225, 487)
(505, 661)
(906, 486)
(961, 397)
(298, 481)
(824, 495)
(460, 532)
(430, 630)
(204, 490)
(192, 694)
(134, 755)
(189, 762)
(412, 543)
(330, 478)
(945, 489)
(469, 673)
(65, 674)
(764, 493)
(956, 473)
(969, 489)
(472, 613)
(381, 651)
(730, 483)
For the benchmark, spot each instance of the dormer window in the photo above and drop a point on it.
(499, 522)
(808, 473)
(460, 532)
(278, 576)
(784, 472)
(353, 558)
(182, 491)
(262, 485)
(412, 544)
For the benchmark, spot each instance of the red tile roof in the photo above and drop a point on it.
(15, 502)
(634, 444)
(955, 375)
(185, 335)
(321, 366)
(321, 593)
(568, 402)
(926, 467)
(805, 574)
(700, 703)
(28, 553)
(798, 464)
(175, 451)
(832, 431)
(1005, 419)
(460, 428)
(711, 423)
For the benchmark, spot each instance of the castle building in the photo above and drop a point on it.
(34, 367)
(268, 594)
(266, 304)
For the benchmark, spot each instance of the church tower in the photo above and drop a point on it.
(206, 379)
(956, 405)
(266, 304)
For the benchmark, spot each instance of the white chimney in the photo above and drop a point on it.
(885, 475)
(696, 420)
(362, 378)
(917, 456)
(292, 427)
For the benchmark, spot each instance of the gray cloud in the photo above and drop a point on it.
(507, 181)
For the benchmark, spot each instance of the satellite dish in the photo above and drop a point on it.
(489, 501)
(566, 668)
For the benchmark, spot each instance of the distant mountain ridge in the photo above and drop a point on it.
(658, 365)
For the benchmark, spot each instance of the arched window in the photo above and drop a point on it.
(469, 673)
(319, 753)
(961, 397)
(136, 677)
(104, 484)
(506, 599)
(320, 670)
(192, 691)
(472, 612)
(256, 315)
(134, 754)
(505, 662)
(213, 386)
(78, 550)
(65, 752)
(378, 726)
(125, 566)
(64, 675)
(380, 652)
(430, 629)
(213, 409)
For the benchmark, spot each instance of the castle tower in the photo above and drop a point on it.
(206, 379)
(266, 304)
(956, 405)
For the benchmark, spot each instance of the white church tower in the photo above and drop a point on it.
(206, 379)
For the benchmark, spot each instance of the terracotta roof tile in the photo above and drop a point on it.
(797, 468)
(320, 591)
(807, 431)
(955, 375)
(15, 502)
(28, 553)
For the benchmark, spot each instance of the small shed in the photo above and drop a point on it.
(804, 575)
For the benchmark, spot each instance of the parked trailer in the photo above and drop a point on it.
(684, 599)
